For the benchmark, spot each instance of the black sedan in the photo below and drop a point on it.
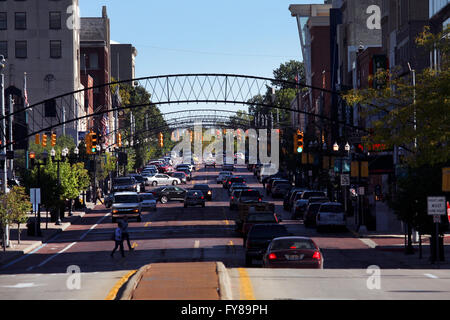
(169, 193)
(206, 190)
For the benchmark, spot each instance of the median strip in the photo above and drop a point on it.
(113, 293)
(246, 289)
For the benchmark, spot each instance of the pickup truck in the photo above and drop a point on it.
(126, 204)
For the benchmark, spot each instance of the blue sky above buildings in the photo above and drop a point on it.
(203, 36)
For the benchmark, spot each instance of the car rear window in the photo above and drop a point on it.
(147, 197)
(123, 181)
(195, 193)
(237, 180)
(126, 199)
(309, 194)
(261, 217)
(286, 244)
(253, 193)
(268, 231)
(331, 208)
(314, 207)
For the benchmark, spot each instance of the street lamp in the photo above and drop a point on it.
(64, 153)
(336, 147)
(347, 147)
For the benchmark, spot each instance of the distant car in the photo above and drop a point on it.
(126, 204)
(270, 186)
(293, 252)
(194, 198)
(236, 185)
(108, 200)
(258, 239)
(279, 190)
(309, 216)
(228, 167)
(207, 191)
(180, 175)
(233, 179)
(210, 163)
(331, 214)
(258, 218)
(234, 196)
(222, 176)
(287, 204)
(125, 184)
(308, 194)
(169, 193)
(148, 201)
(139, 179)
(163, 180)
(299, 209)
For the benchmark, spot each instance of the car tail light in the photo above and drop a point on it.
(259, 199)
(203, 198)
(293, 247)
(232, 198)
(316, 255)
(272, 256)
(115, 211)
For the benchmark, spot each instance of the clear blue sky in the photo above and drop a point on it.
(203, 36)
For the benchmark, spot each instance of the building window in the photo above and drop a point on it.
(21, 49)
(21, 20)
(4, 48)
(55, 20)
(93, 61)
(55, 49)
(3, 21)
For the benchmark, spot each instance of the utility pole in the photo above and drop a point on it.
(3, 138)
(11, 147)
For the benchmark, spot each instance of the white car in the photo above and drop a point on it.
(222, 176)
(148, 201)
(330, 214)
(163, 180)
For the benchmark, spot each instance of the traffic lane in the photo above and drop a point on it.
(353, 284)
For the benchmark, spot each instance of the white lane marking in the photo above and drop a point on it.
(94, 226)
(432, 276)
(197, 244)
(56, 254)
(23, 285)
(369, 243)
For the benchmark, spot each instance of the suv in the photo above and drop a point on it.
(126, 204)
(233, 179)
(210, 163)
(222, 176)
(259, 237)
(258, 218)
(275, 182)
(287, 204)
(280, 189)
(125, 184)
(194, 198)
(330, 214)
(205, 189)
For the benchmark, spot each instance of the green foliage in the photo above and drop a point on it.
(14, 206)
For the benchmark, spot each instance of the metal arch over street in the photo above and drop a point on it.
(69, 110)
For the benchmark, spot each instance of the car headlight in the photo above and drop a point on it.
(136, 210)
(115, 211)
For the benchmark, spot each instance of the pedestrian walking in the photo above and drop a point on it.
(98, 196)
(118, 239)
(125, 235)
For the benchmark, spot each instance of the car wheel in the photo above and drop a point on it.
(154, 183)
(164, 199)
(174, 183)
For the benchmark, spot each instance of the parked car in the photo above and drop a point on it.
(259, 237)
(207, 191)
(169, 193)
(125, 184)
(126, 204)
(148, 201)
(222, 175)
(280, 189)
(293, 252)
(331, 214)
(163, 180)
(299, 209)
(194, 198)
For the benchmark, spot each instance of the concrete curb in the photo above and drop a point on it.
(132, 283)
(225, 292)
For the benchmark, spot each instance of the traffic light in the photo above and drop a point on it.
(119, 140)
(93, 142)
(32, 157)
(53, 139)
(161, 140)
(299, 141)
(44, 140)
(37, 139)
(88, 142)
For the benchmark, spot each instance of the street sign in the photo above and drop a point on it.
(345, 180)
(436, 206)
(35, 198)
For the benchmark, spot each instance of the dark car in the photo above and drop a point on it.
(139, 179)
(287, 204)
(194, 198)
(308, 194)
(299, 209)
(180, 175)
(228, 167)
(233, 179)
(293, 252)
(270, 186)
(309, 216)
(259, 237)
(207, 191)
(169, 193)
(125, 184)
(258, 218)
(186, 171)
(279, 190)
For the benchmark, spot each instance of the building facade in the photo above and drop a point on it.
(123, 61)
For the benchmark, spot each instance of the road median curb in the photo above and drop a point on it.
(132, 283)
(225, 292)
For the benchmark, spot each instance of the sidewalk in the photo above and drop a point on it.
(176, 281)
(30, 243)
(392, 245)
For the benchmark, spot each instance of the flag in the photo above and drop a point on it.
(117, 101)
(104, 125)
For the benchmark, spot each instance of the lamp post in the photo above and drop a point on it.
(64, 153)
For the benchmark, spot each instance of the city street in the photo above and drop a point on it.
(195, 234)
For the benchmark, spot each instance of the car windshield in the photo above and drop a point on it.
(261, 217)
(268, 231)
(286, 244)
(126, 199)
(331, 208)
(147, 197)
(121, 182)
